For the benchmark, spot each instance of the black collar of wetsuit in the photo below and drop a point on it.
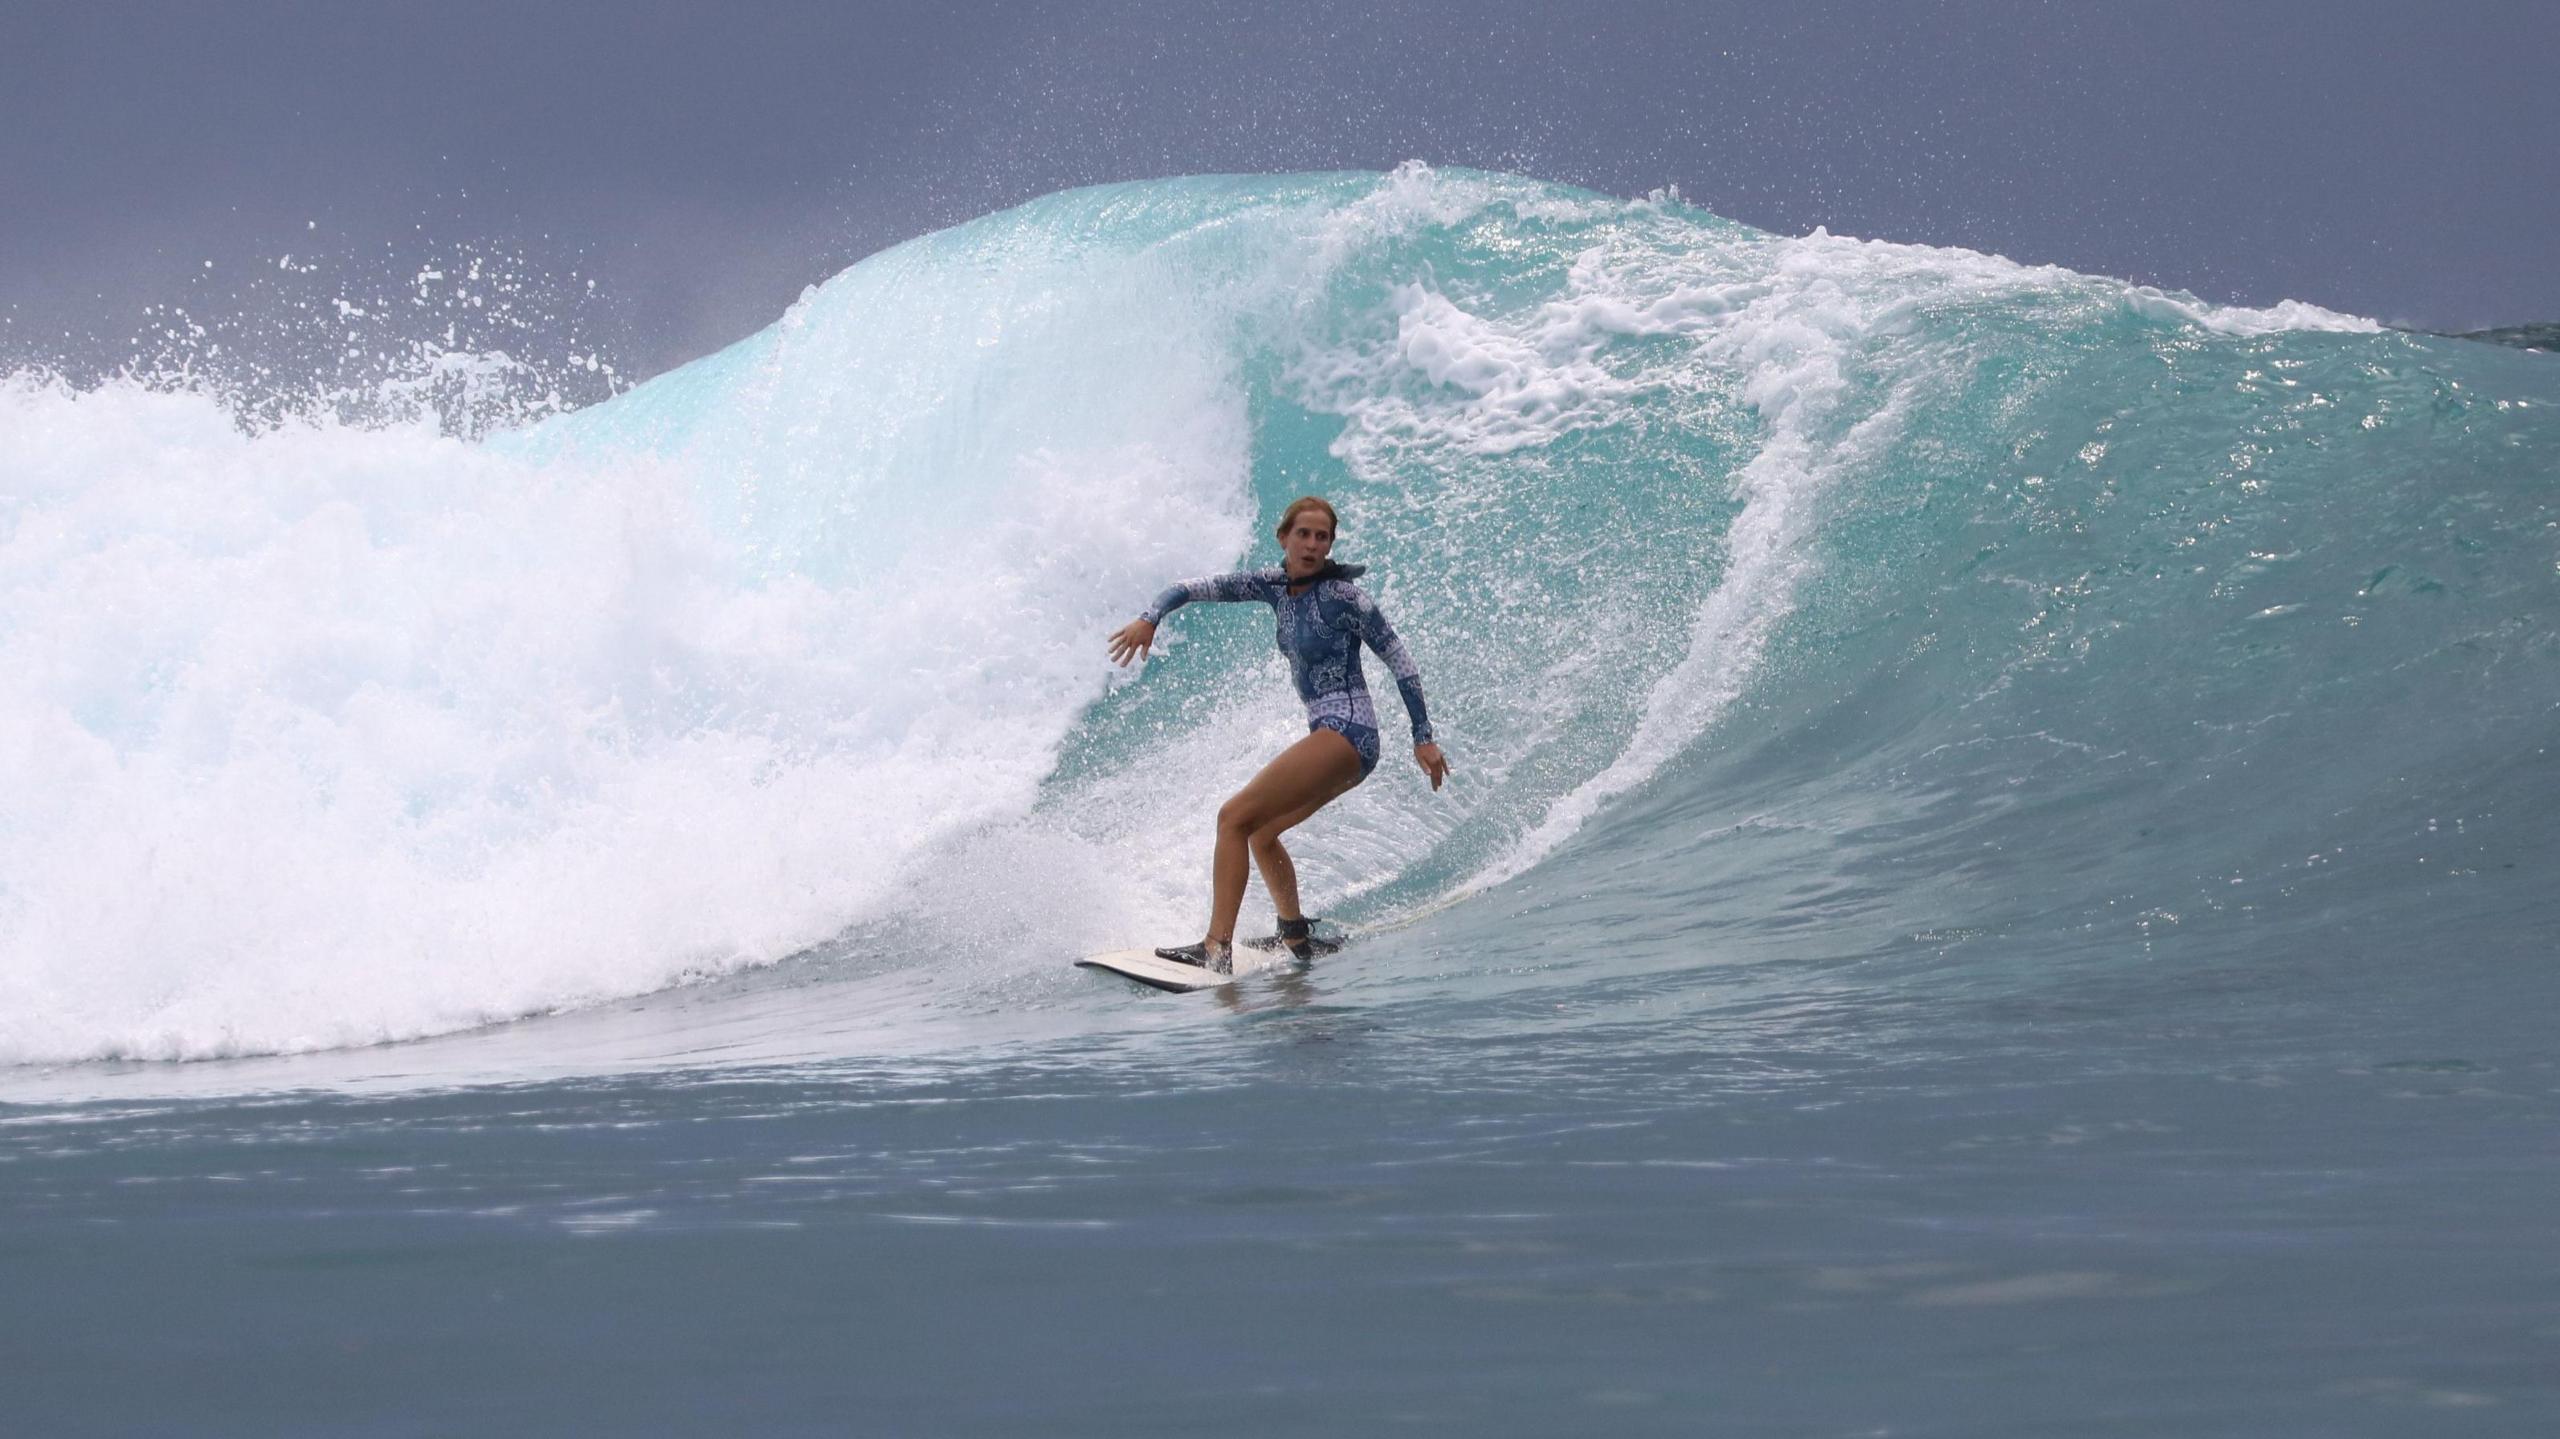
(1333, 570)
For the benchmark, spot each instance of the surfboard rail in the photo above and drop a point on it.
(1147, 968)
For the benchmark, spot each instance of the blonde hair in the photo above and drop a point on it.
(1289, 516)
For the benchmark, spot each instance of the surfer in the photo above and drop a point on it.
(1324, 619)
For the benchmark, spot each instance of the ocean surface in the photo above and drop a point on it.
(2002, 873)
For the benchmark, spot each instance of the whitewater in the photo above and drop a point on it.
(2002, 819)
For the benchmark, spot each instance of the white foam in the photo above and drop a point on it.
(2240, 319)
(329, 735)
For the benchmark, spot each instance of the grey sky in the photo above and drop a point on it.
(703, 162)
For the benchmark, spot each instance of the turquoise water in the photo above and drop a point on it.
(1998, 878)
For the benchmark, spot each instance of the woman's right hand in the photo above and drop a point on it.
(1131, 641)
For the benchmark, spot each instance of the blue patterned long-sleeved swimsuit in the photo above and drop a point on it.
(1321, 631)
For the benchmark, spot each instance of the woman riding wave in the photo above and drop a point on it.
(1324, 619)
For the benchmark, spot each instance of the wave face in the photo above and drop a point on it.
(1826, 598)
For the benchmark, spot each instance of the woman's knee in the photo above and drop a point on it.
(1266, 841)
(1238, 817)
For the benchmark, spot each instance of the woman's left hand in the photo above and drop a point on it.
(1432, 761)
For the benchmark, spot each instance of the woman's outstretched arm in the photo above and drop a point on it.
(1240, 585)
(1133, 640)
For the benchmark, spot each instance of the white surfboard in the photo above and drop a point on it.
(1263, 951)
(1147, 968)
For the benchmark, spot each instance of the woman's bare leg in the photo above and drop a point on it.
(1301, 780)
(1279, 875)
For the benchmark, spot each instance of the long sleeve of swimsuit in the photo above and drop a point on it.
(1241, 585)
(1382, 641)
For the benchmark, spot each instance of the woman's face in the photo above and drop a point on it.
(1308, 542)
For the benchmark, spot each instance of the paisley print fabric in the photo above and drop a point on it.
(1321, 631)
